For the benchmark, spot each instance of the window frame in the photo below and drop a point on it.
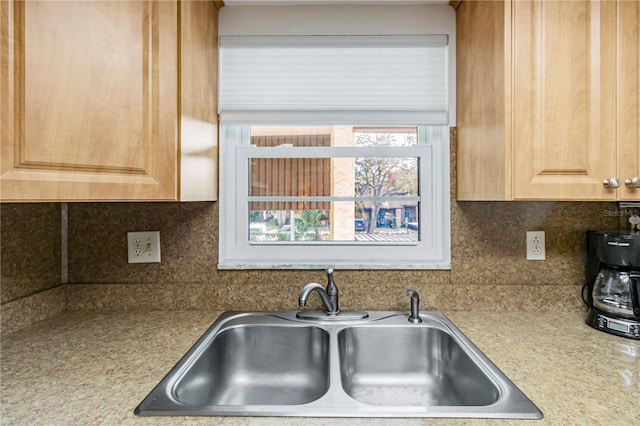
(236, 251)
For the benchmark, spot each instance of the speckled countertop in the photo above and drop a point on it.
(94, 368)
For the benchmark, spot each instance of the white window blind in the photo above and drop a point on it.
(396, 79)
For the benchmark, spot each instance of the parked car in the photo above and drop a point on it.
(285, 229)
(412, 225)
(360, 225)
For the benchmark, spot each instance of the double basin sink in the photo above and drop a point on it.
(276, 364)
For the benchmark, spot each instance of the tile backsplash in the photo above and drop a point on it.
(488, 252)
(488, 270)
(30, 263)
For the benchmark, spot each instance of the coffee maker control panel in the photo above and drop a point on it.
(616, 326)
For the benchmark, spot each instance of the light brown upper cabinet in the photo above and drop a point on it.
(548, 100)
(111, 100)
(628, 101)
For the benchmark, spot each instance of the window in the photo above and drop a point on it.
(343, 196)
(334, 150)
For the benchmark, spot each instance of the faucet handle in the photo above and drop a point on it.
(332, 290)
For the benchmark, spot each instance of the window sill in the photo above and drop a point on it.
(347, 264)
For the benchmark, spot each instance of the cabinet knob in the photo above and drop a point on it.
(634, 182)
(613, 182)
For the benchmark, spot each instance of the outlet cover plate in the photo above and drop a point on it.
(143, 247)
(536, 245)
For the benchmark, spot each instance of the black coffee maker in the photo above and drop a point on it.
(613, 282)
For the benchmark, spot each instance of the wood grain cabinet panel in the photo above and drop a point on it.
(564, 76)
(483, 100)
(628, 98)
(565, 116)
(91, 101)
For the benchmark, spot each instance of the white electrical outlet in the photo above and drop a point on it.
(535, 245)
(143, 247)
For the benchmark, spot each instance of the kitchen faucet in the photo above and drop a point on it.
(329, 296)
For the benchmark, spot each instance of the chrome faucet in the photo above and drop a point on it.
(329, 296)
(414, 317)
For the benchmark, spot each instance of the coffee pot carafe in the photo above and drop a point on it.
(616, 291)
(613, 282)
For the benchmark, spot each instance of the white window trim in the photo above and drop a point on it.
(433, 251)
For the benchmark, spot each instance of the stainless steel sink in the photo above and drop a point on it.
(275, 364)
(434, 370)
(258, 365)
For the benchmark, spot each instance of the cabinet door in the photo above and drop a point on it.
(483, 98)
(629, 96)
(564, 99)
(89, 100)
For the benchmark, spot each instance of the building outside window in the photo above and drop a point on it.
(383, 192)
